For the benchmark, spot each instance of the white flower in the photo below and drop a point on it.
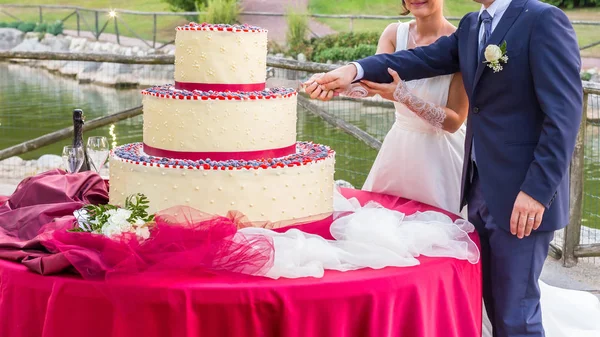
(83, 219)
(493, 53)
(139, 222)
(110, 230)
(142, 232)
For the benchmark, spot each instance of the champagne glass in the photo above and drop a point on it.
(73, 158)
(97, 151)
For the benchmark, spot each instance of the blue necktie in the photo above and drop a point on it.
(486, 19)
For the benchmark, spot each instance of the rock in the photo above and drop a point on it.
(301, 57)
(56, 43)
(32, 45)
(10, 38)
(12, 162)
(48, 162)
(280, 55)
(78, 45)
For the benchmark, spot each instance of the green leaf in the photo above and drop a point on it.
(503, 47)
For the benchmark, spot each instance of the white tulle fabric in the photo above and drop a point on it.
(369, 237)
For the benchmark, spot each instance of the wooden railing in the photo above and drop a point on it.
(570, 250)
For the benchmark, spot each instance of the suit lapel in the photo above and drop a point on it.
(473, 57)
(508, 19)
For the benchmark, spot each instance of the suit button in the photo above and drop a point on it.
(476, 110)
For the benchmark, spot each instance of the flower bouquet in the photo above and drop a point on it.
(113, 221)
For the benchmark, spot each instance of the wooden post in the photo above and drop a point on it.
(573, 230)
(117, 30)
(41, 15)
(97, 25)
(351, 24)
(78, 24)
(154, 32)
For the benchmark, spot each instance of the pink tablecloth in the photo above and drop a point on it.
(440, 297)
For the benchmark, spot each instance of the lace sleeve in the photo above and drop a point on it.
(355, 91)
(431, 113)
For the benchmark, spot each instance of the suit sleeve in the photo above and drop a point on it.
(438, 58)
(555, 67)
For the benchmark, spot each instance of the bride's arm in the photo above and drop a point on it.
(449, 118)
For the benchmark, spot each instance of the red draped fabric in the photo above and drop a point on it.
(440, 297)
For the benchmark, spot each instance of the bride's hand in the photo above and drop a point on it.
(385, 90)
(314, 90)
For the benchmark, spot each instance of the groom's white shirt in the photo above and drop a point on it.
(496, 10)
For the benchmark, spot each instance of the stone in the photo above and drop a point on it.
(10, 38)
(49, 162)
(301, 57)
(12, 162)
(32, 45)
(56, 43)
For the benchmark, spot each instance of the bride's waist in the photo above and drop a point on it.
(413, 124)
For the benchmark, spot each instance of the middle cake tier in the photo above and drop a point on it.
(225, 125)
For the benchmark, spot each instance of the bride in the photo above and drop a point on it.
(421, 157)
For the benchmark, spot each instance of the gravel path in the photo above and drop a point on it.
(277, 25)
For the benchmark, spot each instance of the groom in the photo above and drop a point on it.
(524, 116)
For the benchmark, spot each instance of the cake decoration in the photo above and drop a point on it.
(306, 152)
(169, 91)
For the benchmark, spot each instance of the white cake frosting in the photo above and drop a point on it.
(273, 194)
(212, 54)
(218, 141)
(212, 125)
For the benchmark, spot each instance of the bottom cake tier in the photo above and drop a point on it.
(299, 186)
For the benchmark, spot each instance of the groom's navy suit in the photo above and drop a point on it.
(523, 122)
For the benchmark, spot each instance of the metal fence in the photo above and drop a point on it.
(155, 29)
(36, 103)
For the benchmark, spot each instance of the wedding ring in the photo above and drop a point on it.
(532, 218)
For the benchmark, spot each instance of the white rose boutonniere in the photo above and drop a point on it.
(495, 56)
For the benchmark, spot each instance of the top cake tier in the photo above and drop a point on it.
(220, 57)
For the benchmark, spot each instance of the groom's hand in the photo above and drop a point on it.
(526, 216)
(338, 79)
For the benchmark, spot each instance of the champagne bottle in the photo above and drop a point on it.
(78, 121)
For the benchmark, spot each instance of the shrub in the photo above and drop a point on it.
(336, 54)
(344, 40)
(55, 28)
(220, 11)
(186, 6)
(14, 24)
(26, 27)
(573, 3)
(296, 34)
(41, 28)
(3, 24)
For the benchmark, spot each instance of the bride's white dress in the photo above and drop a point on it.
(417, 161)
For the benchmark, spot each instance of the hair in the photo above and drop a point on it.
(406, 11)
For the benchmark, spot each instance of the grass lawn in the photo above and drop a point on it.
(453, 8)
(141, 25)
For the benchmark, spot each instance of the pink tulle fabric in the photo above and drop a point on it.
(183, 240)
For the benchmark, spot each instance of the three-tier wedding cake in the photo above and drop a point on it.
(219, 140)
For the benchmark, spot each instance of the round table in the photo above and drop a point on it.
(440, 297)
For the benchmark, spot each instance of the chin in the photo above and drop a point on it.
(420, 8)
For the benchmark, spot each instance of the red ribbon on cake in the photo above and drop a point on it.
(190, 86)
(221, 156)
